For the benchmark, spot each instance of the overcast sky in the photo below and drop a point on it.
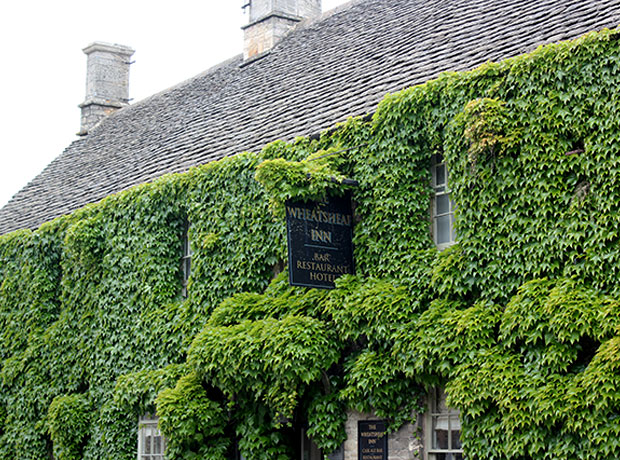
(43, 72)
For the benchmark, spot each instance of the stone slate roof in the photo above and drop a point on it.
(324, 71)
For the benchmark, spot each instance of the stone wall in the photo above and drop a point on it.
(405, 444)
(107, 82)
(263, 35)
(271, 20)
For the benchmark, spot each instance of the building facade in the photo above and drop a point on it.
(145, 304)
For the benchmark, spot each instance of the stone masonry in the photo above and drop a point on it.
(271, 20)
(405, 444)
(107, 82)
(263, 35)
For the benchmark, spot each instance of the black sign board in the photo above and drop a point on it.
(372, 440)
(320, 247)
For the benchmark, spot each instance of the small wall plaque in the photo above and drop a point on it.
(372, 440)
(320, 247)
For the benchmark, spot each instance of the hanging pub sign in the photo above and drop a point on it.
(372, 440)
(320, 247)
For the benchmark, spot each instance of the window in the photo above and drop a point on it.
(442, 207)
(186, 260)
(443, 429)
(151, 443)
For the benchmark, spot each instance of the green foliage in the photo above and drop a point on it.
(485, 128)
(192, 423)
(137, 391)
(277, 301)
(236, 241)
(542, 383)
(309, 180)
(268, 358)
(375, 383)
(69, 419)
(84, 242)
(370, 309)
(326, 422)
(519, 319)
(258, 436)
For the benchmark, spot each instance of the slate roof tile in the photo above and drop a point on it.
(324, 71)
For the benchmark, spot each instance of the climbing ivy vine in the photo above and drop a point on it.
(519, 320)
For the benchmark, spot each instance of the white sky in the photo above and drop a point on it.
(43, 70)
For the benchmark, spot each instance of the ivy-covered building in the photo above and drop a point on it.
(144, 298)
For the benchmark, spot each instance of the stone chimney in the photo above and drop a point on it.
(107, 82)
(270, 20)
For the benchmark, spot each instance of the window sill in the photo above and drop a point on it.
(442, 246)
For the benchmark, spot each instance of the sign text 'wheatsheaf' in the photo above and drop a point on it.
(319, 241)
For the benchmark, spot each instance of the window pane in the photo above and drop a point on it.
(440, 432)
(188, 268)
(442, 204)
(455, 427)
(157, 445)
(147, 444)
(440, 175)
(456, 440)
(452, 227)
(443, 224)
(439, 403)
(455, 422)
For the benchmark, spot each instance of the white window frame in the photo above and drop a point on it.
(186, 259)
(148, 432)
(447, 415)
(441, 189)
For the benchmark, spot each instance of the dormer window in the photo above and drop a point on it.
(186, 263)
(442, 207)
